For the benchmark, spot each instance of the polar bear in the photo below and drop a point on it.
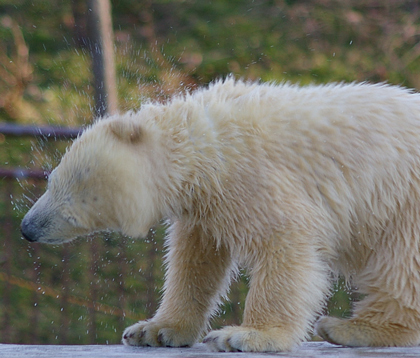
(295, 184)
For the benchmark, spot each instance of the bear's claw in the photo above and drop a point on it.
(248, 339)
(150, 333)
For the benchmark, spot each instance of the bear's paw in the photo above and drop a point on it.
(153, 334)
(248, 339)
(362, 333)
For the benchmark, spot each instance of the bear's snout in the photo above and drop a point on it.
(34, 227)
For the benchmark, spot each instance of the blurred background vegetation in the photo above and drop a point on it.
(87, 292)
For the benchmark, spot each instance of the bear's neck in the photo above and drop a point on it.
(204, 157)
(194, 164)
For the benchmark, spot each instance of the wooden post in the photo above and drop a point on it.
(64, 303)
(7, 243)
(102, 50)
(35, 311)
(122, 263)
(93, 293)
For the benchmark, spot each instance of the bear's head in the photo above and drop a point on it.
(104, 181)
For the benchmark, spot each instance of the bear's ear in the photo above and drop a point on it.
(126, 130)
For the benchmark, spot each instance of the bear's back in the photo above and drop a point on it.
(336, 144)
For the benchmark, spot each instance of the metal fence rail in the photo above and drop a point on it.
(20, 173)
(49, 132)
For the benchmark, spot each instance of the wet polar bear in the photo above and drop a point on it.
(296, 184)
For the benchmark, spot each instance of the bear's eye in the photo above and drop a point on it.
(72, 220)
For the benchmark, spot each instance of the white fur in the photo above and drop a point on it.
(293, 183)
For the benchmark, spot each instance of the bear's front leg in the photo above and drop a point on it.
(198, 273)
(287, 289)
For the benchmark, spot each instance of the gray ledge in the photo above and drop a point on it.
(308, 349)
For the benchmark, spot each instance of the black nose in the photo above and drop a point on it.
(26, 232)
(26, 236)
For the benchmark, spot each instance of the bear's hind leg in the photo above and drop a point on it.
(390, 314)
(375, 325)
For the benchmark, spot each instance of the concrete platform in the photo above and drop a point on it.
(307, 350)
